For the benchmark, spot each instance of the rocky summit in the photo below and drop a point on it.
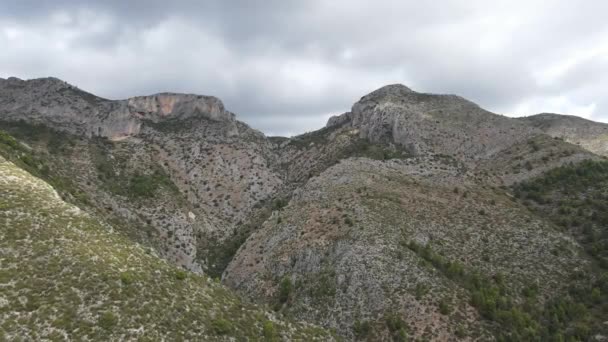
(413, 216)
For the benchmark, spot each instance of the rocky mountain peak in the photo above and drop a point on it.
(388, 92)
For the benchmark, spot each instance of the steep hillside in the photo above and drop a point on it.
(590, 135)
(372, 242)
(66, 276)
(176, 169)
(575, 198)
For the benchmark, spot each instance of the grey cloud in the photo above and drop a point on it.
(284, 66)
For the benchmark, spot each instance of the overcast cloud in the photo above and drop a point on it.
(284, 66)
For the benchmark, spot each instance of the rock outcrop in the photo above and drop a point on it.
(430, 123)
(65, 107)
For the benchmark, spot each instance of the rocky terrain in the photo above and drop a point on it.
(590, 135)
(411, 216)
(67, 276)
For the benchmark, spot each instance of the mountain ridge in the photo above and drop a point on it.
(406, 203)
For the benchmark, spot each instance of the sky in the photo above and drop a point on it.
(284, 66)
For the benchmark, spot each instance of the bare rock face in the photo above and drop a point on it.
(178, 106)
(65, 107)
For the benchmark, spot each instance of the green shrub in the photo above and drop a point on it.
(279, 204)
(269, 331)
(285, 288)
(181, 274)
(348, 221)
(421, 290)
(394, 322)
(127, 278)
(107, 320)
(362, 329)
(221, 326)
(444, 307)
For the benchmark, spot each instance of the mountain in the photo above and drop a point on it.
(177, 168)
(413, 215)
(419, 237)
(68, 276)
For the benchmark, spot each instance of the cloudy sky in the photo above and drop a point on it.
(285, 66)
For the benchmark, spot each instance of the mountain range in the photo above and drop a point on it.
(413, 216)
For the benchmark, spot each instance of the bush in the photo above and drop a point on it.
(127, 278)
(421, 290)
(394, 322)
(270, 333)
(285, 288)
(279, 204)
(221, 326)
(107, 320)
(362, 329)
(444, 307)
(348, 221)
(181, 274)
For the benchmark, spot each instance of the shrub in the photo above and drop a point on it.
(270, 333)
(362, 329)
(107, 320)
(278, 204)
(127, 278)
(285, 288)
(221, 326)
(181, 274)
(421, 290)
(394, 322)
(444, 307)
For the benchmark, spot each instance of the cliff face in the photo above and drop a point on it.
(67, 108)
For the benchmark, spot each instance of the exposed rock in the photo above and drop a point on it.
(62, 106)
(339, 120)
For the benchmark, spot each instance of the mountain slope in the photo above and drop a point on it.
(365, 239)
(66, 276)
(590, 135)
(207, 175)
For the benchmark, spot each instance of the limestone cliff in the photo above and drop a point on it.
(65, 107)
